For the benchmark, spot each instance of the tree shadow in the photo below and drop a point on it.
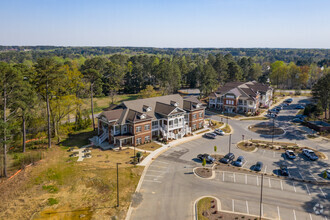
(78, 139)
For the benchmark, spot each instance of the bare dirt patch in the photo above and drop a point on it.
(149, 146)
(266, 128)
(203, 172)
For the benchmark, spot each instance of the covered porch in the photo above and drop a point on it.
(123, 140)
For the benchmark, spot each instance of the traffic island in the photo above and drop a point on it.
(209, 208)
(266, 128)
(203, 172)
(253, 145)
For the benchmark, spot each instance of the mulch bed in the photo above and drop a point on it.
(213, 214)
(203, 172)
(266, 128)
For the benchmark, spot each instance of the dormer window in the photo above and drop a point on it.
(174, 103)
(146, 108)
(143, 116)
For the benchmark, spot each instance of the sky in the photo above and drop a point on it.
(166, 23)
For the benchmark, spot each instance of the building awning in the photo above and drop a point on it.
(123, 137)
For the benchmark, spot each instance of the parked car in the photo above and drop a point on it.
(219, 131)
(288, 100)
(272, 115)
(300, 107)
(310, 154)
(258, 166)
(210, 135)
(284, 170)
(279, 107)
(228, 158)
(207, 158)
(301, 116)
(297, 120)
(274, 110)
(290, 154)
(285, 104)
(240, 161)
(328, 173)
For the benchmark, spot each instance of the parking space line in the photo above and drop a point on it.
(257, 181)
(223, 177)
(300, 175)
(155, 181)
(322, 192)
(158, 166)
(310, 216)
(156, 171)
(234, 178)
(233, 204)
(289, 173)
(263, 152)
(244, 164)
(245, 178)
(265, 169)
(270, 186)
(307, 189)
(247, 207)
(294, 187)
(161, 162)
(294, 214)
(153, 175)
(278, 212)
(273, 153)
(281, 185)
(312, 175)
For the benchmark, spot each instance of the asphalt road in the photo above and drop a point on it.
(170, 187)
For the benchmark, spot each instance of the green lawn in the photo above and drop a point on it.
(202, 206)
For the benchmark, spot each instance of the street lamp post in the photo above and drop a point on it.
(262, 184)
(117, 186)
(229, 142)
(273, 130)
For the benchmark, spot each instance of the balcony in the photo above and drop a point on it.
(155, 127)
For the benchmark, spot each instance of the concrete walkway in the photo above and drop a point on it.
(80, 152)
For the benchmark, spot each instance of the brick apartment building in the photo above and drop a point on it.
(138, 121)
(240, 97)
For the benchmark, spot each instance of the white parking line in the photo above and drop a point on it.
(245, 179)
(263, 152)
(322, 192)
(294, 215)
(223, 177)
(247, 207)
(257, 181)
(160, 162)
(233, 204)
(153, 175)
(234, 178)
(270, 186)
(156, 171)
(155, 181)
(294, 187)
(281, 185)
(158, 166)
(307, 189)
(265, 169)
(278, 212)
(289, 173)
(310, 216)
(273, 153)
(244, 164)
(312, 175)
(300, 175)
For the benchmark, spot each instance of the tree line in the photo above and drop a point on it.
(38, 96)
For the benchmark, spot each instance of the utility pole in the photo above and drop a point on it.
(273, 130)
(229, 142)
(262, 184)
(117, 186)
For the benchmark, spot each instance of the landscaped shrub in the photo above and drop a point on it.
(52, 201)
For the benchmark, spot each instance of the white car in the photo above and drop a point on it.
(290, 154)
(310, 154)
(219, 132)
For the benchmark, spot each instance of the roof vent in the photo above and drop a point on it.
(174, 103)
(143, 116)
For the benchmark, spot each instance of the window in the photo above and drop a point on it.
(245, 102)
(147, 127)
(201, 114)
(194, 126)
(138, 129)
(200, 125)
(194, 116)
(154, 123)
(125, 129)
(138, 141)
(251, 103)
(147, 138)
(176, 122)
(240, 102)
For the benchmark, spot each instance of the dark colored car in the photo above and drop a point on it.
(289, 100)
(207, 158)
(258, 166)
(239, 162)
(210, 135)
(228, 158)
(300, 107)
(284, 170)
(297, 120)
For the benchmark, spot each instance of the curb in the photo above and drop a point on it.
(208, 178)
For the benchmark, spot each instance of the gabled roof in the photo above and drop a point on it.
(164, 109)
(112, 114)
(134, 116)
